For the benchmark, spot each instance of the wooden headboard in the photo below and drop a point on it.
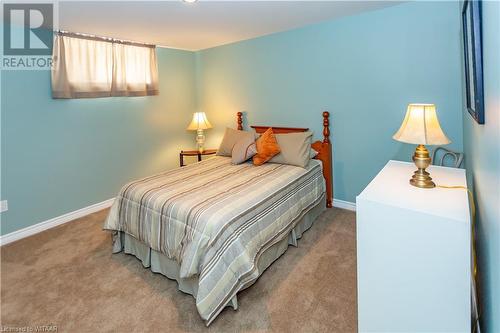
(324, 148)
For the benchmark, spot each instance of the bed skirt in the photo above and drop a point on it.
(160, 263)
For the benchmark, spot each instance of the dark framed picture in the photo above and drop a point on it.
(471, 24)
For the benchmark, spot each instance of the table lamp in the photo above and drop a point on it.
(198, 124)
(421, 126)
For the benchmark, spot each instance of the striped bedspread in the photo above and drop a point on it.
(215, 219)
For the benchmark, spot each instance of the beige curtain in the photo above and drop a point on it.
(90, 67)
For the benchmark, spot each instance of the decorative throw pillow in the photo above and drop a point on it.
(267, 147)
(244, 149)
(295, 149)
(231, 136)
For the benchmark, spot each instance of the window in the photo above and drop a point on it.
(86, 67)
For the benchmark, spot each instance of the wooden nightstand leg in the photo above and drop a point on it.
(181, 160)
(199, 157)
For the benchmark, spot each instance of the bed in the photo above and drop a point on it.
(214, 227)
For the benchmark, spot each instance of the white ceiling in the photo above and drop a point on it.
(203, 24)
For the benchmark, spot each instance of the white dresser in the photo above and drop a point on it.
(413, 253)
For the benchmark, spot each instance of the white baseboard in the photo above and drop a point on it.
(68, 217)
(344, 204)
(42, 226)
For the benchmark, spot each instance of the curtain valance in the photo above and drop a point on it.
(96, 67)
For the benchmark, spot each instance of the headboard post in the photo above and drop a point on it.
(324, 149)
(326, 127)
(240, 121)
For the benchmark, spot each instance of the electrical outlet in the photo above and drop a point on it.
(4, 206)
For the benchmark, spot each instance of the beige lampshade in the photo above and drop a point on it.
(421, 126)
(199, 121)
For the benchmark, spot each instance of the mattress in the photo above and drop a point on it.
(215, 219)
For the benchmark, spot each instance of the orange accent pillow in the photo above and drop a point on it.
(267, 147)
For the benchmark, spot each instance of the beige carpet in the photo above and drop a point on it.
(68, 277)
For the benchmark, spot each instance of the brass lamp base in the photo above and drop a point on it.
(422, 178)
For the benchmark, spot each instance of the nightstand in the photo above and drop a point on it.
(183, 153)
(414, 253)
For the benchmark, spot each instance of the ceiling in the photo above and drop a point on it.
(203, 24)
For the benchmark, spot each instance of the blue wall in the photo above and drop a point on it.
(62, 155)
(364, 69)
(482, 151)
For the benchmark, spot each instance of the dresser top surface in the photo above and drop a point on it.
(391, 187)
